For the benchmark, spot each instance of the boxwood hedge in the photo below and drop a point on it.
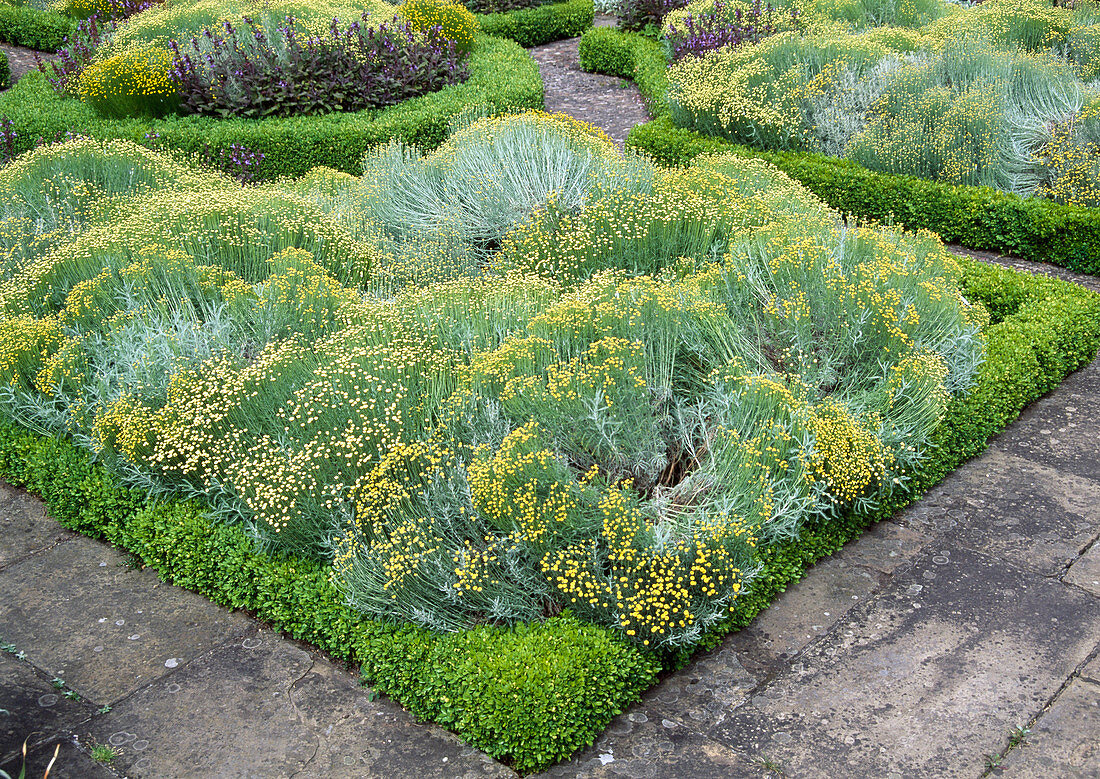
(541, 24)
(43, 30)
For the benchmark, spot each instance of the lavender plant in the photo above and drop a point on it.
(76, 54)
(245, 72)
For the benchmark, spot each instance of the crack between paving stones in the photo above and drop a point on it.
(1030, 724)
(301, 719)
(34, 552)
(171, 673)
(1065, 568)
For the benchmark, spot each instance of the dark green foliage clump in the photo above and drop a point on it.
(23, 25)
(538, 24)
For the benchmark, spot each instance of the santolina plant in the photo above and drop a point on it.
(607, 401)
(976, 98)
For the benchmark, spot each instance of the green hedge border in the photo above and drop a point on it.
(34, 28)
(294, 145)
(544, 24)
(533, 694)
(975, 217)
(5, 71)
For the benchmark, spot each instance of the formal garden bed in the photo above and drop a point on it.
(509, 418)
(980, 124)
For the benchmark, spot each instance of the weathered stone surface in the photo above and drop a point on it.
(269, 708)
(701, 694)
(642, 743)
(1065, 741)
(926, 679)
(71, 762)
(1091, 671)
(81, 614)
(24, 526)
(32, 709)
(885, 545)
(1013, 508)
(808, 609)
(1062, 430)
(1085, 571)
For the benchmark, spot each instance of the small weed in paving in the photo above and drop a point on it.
(1018, 737)
(103, 753)
(769, 765)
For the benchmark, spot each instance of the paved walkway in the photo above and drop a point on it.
(967, 624)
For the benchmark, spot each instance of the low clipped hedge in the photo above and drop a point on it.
(976, 217)
(543, 24)
(530, 694)
(5, 71)
(533, 694)
(293, 145)
(36, 29)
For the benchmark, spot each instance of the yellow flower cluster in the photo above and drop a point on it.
(848, 456)
(25, 342)
(1073, 160)
(455, 21)
(523, 488)
(639, 232)
(134, 83)
(650, 590)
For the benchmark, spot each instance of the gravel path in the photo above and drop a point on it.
(21, 60)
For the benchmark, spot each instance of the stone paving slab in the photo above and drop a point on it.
(33, 710)
(925, 680)
(1085, 571)
(885, 546)
(24, 525)
(1061, 431)
(645, 745)
(261, 706)
(702, 694)
(81, 614)
(1091, 671)
(804, 612)
(72, 763)
(1063, 742)
(1007, 506)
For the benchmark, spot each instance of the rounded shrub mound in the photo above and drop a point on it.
(134, 83)
(974, 97)
(454, 20)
